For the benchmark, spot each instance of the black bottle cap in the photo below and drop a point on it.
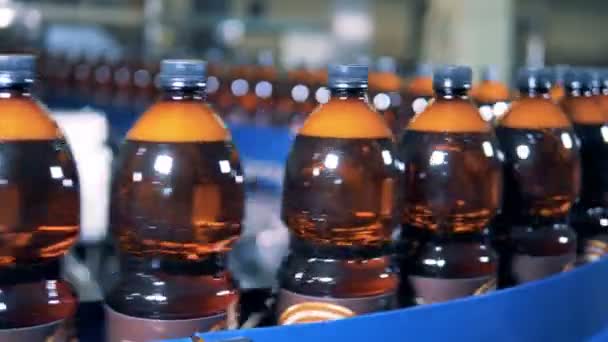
(489, 73)
(347, 76)
(558, 71)
(17, 70)
(531, 78)
(183, 73)
(595, 79)
(452, 77)
(603, 78)
(578, 79)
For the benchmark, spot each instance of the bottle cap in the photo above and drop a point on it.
(452, 77)
(578, 79)
(424, 69)
(17, 70)
(533, 78)
(489, 73)
(595, 79)
(603, 78)
(386, 64)
(347, 76)
(180, 73)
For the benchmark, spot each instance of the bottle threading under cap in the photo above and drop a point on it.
(589, 215)
(177, 208)
(541, 183)
(451, 191)
(339, 203)
(39, 214)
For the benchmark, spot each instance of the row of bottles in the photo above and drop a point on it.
(474, 205)
(257, 93)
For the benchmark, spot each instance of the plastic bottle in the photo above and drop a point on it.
(590, 214)
(491, 95)
(542, 182)
(452, 189)
(177, 207)
(339, 203)
(39, 214)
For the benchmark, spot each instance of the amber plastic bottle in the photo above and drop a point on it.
(385, 89)
(590, 214)
(452, 189)
(339, 203)
(491, 95)
(39, 214)
(177, 208)
(418, 92)
(602, 97)
(541, 183)
(558, 90)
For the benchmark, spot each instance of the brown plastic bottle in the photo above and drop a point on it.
(385, 89)
(558, 90)
(339, 203)
(491, 96)
(452, 189)
(418, 92)
(602, 96)
(39, 214)
(590, 214)
(541, 183)
(177, 208)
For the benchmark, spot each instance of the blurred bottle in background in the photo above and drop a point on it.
(452, 189)
(385, 90)
(418, 92)
(265, 89)
(339, 203)
(490, 95)
(39, 213)
(541, 183)
(558, 88)
(177, 208)
(590, 214)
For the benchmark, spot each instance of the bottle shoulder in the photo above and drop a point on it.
(345, 118)
(26, 119)
(583, 110)
(452, 116)
(535, 113)
(177, 121)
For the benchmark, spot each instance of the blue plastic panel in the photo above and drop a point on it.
(568, 307)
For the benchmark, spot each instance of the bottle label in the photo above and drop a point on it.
(527, 268)
(121, 327)
(595, 248)
(429, 290)
(55, 332)
(294, 308)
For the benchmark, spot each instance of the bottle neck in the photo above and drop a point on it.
(571, 92)
(534, 93)
(451, 94)
(350, 93)
(15, 92)
(184, 94)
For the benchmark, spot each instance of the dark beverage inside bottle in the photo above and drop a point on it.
(177, 207)
(541, 183)
(40, 211)
(452, 189)
(590, 214)
(339, 203)
(491, 95)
